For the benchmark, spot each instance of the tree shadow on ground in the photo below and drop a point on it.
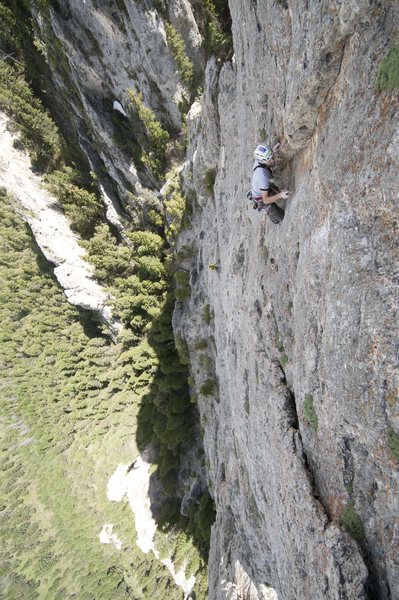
(168, 422)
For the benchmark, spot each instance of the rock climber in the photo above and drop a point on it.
(263, 193)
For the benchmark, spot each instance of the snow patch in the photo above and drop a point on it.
(117, 484)
(118, 106)
(107, 537)
(134, 482)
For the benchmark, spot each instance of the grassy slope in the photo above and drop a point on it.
(62, 429)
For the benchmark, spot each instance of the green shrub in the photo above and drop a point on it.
(393, 443)
(310, 413)
(205, 517)
(352, 522)
(182, 348)
(209, 179)
(176, 206)
(38, 132)
(155, 157)
(178, 49)
(388, 71)
(201, 344)
(207, 314)
(146, 243)
(284, 359)
(217, 34)
(83, 209)
(9, 42)
(110, 259)
(208, 388)
(279, 342)
(182, 279)
(150, 268)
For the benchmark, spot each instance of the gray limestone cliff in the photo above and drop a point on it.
(291, 328)
(51, 229)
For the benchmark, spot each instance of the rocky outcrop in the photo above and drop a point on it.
(96, 53)
(51, 229)
(300, 318)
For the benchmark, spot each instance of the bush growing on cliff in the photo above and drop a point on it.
(209, 179)
(201, 344)
(182, 280)
(8, 40)
(352, 522)
(178, 49)
(38, 132)
(309, 412)
(110, 259)
(146, 243)
(208, 388)
(205, 516)
(217, 33)
(207, 314)
(177, 208)
(155, 157)
(388, 71)
(83, 209)
(393, 443)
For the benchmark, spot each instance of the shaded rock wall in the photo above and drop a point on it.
(97, 51)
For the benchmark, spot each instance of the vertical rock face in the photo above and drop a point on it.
(300, 318)
(97, 52)
(291, 327)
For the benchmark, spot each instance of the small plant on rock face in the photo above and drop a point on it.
(155, 157)
(182, 349)
(182, 280)
(352, 522)
(217, 40)
(310, 413)
(284, 359)
(279, 342)
(177, 47)
(207, 314)
(393, 443)
(208, 388)
(209, 180)
(388, 72)
(201, 344)
(177, 207)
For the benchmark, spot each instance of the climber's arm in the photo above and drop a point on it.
(269, 199)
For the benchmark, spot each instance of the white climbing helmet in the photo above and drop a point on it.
(263, 153)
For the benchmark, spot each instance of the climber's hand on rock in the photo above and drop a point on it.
(285, 194)
(276, 147)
